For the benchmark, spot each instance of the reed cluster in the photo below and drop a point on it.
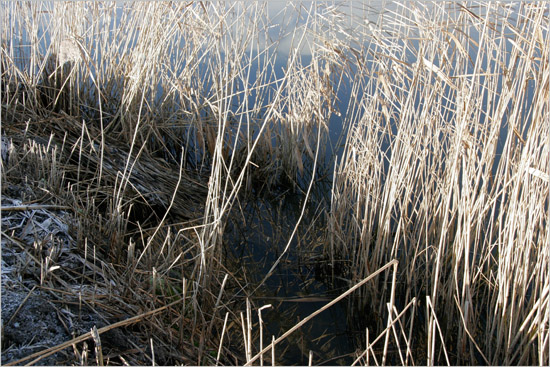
(147, 121)
(445, 169)
(153, 122)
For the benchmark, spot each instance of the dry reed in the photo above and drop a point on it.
(446, 169)
(149, 121)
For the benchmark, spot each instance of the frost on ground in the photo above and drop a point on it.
(47, 294)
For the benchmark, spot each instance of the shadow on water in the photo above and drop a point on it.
(297, 287)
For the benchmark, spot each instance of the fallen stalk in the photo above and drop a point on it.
(24, 208)
(325, 307)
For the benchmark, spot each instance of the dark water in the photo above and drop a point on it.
(297, 286)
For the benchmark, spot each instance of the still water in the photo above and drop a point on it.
(298, 286)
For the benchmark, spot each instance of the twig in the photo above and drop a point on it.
(24, 208)
(221, 338)
(98, 348)
(19, 307)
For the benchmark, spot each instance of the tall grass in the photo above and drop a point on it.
(154, 120)
(446, 169)
(157, 117)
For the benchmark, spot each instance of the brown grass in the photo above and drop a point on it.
(144, 125)
(446, 170)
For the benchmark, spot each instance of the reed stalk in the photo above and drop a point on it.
(150, 122)
(441, 171)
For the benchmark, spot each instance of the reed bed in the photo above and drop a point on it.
(146, 121)
(150, 125)
(446, 170)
